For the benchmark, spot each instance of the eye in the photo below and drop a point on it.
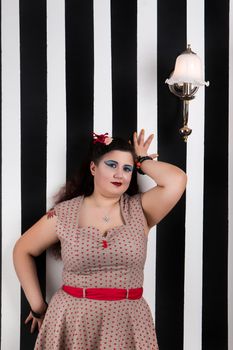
(111, 163)
(128, 168)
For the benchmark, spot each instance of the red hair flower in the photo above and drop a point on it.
(102, 138)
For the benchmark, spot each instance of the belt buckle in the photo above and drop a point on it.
(127, 293)
(84, 292)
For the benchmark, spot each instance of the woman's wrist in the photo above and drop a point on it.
(40, 312)
(140, 159)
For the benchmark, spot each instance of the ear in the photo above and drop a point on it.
(92, 168)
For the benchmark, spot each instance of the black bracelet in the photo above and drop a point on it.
(139, 162)
(39, 315)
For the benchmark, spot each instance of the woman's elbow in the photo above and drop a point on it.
(17, 251)
(181, 179)
(184, 178)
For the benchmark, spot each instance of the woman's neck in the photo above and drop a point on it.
(102, 201)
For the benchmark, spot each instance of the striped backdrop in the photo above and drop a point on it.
(70, 67)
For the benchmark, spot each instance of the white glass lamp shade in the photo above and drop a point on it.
(188, 69)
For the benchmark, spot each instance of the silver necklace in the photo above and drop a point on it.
(106, 218)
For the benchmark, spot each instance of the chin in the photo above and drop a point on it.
(121, 190)
(118, 192)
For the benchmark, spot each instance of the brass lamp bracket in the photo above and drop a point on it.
(186, 93)
(182, 91)
(184, 82)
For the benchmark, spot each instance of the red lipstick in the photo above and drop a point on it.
(117, 183)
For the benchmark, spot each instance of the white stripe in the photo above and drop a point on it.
(230, 244)
(11, 180)
(194, 193)
(147, 116)
(56, 144)
(102, 67)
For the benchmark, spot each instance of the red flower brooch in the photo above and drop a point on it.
(102, 138)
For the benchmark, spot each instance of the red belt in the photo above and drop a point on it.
(104, 293)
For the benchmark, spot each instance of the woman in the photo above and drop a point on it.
(103, 234)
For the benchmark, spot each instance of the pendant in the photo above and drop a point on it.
(106, 218)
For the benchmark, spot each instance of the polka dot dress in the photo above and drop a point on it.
(91, 260)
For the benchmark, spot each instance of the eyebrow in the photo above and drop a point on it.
(116, 162)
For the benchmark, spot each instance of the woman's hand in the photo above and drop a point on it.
(36, 322)
(36, 318)
(141, 145)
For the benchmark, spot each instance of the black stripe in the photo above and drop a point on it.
(215, 226)
(172, 149)
(124, 66)
(79, 79)
(33, 130)
(1, 170)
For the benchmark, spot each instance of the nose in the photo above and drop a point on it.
(118, 174)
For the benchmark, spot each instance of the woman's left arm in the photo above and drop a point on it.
(170, 183)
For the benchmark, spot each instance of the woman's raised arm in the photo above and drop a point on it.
(170, 182)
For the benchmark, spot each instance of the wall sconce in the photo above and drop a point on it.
(184, 82)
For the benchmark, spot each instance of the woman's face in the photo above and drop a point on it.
(113, 174)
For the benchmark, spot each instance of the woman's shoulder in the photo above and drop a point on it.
(131, 201)
(132, 208)
(131, 198)
(69, 202)
(67, 206)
